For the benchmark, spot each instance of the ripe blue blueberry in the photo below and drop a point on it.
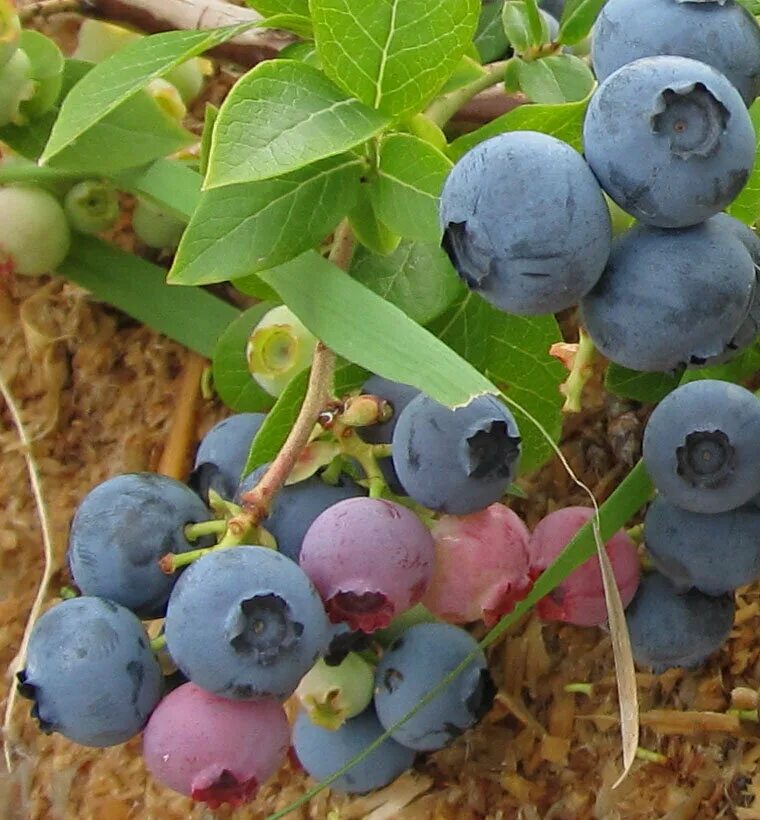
(456, 461)
(91, 673)
(712, 553)
(223, 453)
(245, 623)
(718, 32)
(296, 507)
(670, 140)
(669, 630)
(414, 663)
(668, 298)
(525, 223)
(322, 752)
(121, 530)
(702, 446)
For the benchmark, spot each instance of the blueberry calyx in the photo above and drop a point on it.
(692, 118)
(262, 626)
(490, 451)
(365, 611)
(225, 788)
(706, 458)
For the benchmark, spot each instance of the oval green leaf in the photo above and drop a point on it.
(559, 78)
(393, 55)
(281, 116)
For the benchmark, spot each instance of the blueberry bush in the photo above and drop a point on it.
(401, 367)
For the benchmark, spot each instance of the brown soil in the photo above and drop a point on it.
(98, 395)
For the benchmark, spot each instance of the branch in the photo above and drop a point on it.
(256, 502)
(151, 16)
(443, 109)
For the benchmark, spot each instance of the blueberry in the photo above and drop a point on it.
(669, 630)
(223, 453)
(296, 506)
(702, 446)
(120, 531)
(322, 752)
(90, 672)
(579, 599)
(370, 559)
(750, 327)
(525, 223)
(398, 395)
(670, 140)
(668, 298)
(213, 749)
(245, 623)
(718, 32)
(456, 461)
(34, 234)
(412, 666)
(712, 553)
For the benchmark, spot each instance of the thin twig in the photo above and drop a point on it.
(47, 573)
(444, 108)
(256, 502)
(174, 458)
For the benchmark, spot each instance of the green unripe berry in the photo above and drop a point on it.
(10, 30)
(98, 41)
(16, 86)
(92, 206)
(34, 233)
(279, 348)
(331, 695)
(155, 227)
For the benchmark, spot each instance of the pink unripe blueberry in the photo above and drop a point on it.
(579, 599)
(370, 559)
(213, 749)
(481, 565)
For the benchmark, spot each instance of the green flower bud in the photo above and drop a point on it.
(155, 228)
(16, 86)
(98, 41)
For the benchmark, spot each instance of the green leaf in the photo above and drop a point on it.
(280, 419)
(562, 121)
(281, 116)
(524, 26)
(305, 52)
(171, 185)
(368, 228)
(271, 7)
(115, 81)
(394, 55)
(752, 6)
(417, 277)
(410, 176)
(645, 387)
(47, 71)
(467, 71)
(210, 113)
(559, 78)
(299, 24)
(490, 38)
(747, 205)
(32, 174)
(577, 19)
(232, 377)
(190, 316)
(513, 352)
(135, 133)
(240, 229)
(253, 286)
(361, 326)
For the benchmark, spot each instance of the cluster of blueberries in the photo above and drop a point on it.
(359, 611)
(702, 451)
(668, 138)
